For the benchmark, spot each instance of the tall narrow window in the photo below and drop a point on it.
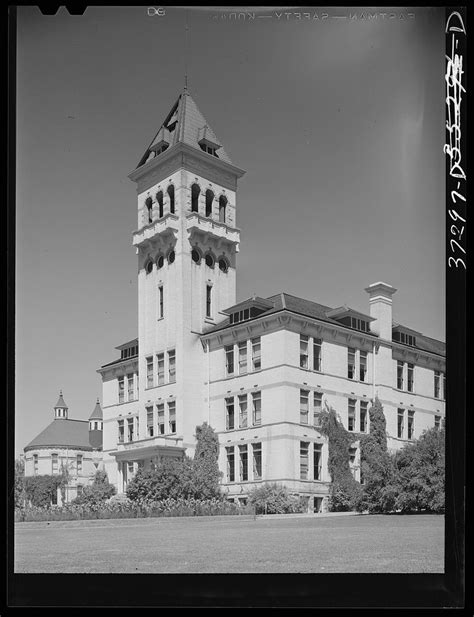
(159, 199)
(437, 422)
(257, 460)
(35, 464)
(170, 191)
(160, 412)
(363, 416)
(351, 415)
(229, 359)
(304, 459)
(242, 357)
(121, 431)
(317, 408)
(79, 463)
(304, 406)
(410, 377)
(149, 207)
(256, 408)
(54, 463)
(195, 191)
(437, 383)
(222, 208)
(317, 354)
(131, 388)
(317, 461)
(130, 424)
(303, 351)
(230, 464)
(161, 368)
(411, 424)
(172, 416)
(208, 301)
(209, 201)
(400, 423)
(150, 423)
(362, 365)
(242, 410)
(399, 374)
(161, 303)
(243, 463)
(229, 413)
(256, 354)
(351, 360)
(149, 372)
(172, 365)
(121, 389)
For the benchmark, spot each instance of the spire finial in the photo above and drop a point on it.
(97, 400)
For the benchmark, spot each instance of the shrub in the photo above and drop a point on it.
(205, 466)
(274, 499)
(172, 478)
(19, 488)
(97, 492)
(41, 491)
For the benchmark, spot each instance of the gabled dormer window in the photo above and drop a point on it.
(209, 149)
(405, 338)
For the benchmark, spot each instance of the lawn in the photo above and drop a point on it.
(233, 544)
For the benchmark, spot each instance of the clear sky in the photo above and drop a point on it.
(339, 123)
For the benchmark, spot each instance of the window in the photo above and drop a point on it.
(437, 422)
(160, 261)
(161, 418)
(161, 368)
(437, 384)
(172, 365)
(303, 351)
(35, 464)
(363, 417)
(54, 463)
(79, 463)
(256, 408)
(229, 359)
(159, 199)
(223, 265)
(400, 423)
(130, 429)
(230, 464)
(208, 300)
(230, 414)
(242, 357)
(222, 208)
(209, 201)
(196, 256)
(121, 431)
(317, 467)
(149, 207)
(195, 191)
(317, 407)
(411, 424)
(256, 354)
(150, 424)
(317, 354)
(359, 324)
(209, 260)
(149, 372)
(351, 355)
(242, 410)
(149, 267)
(130, 385)
(121, 389)
(171, 197)
(243, 463)
(304, 406)
(171, 257)
(444, 385)
(257, 460)
(79, 488)
(161, 312)
(304, 458)
(399, 375)
(172, 416)
(410, 377)
(362, 365)
(351, 416)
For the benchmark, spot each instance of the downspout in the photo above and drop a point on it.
(209, 382)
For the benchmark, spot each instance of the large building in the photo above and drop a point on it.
(75, 445)
(258, 371)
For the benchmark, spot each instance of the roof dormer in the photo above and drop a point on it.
(404, 335)
(248, 309)
(351, 318)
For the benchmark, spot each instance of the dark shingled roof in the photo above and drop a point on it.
(63, 432)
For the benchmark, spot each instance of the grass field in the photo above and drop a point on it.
(368, 544)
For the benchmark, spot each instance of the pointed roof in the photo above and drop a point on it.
(61, 404)
(97, 412)
(185, 124)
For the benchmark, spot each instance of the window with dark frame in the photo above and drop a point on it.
(351, 359)
(317, 467)
(256, 408)
(150, 421)
(351, 415)
(257, 460)
(304, 459)
(229, 414)
(208, 301)
(243, 411)
(230, 464)
(304, 406)
(400, 423)
(172, 416)
(317, 344)
(160, 411)
(244, 463)
(229, 359)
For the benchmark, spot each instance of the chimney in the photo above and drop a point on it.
(380, 305)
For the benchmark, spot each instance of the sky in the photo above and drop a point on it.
(338, 121)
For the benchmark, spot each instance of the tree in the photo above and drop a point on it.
(98, 491)
(172, 478)
(206, 474)
(420, 467)
(42, 491)
(19, 488)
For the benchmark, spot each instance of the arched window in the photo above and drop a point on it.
(222, 208)
(160, 261)
(159, 199)
(149, 267)
(149, 206)
(196, 256)
(195, 191)
(171, 257)
(210, 261)
(209, 200)
(223, 264)
(171, 196)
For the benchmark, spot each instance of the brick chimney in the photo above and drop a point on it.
(380, 305)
